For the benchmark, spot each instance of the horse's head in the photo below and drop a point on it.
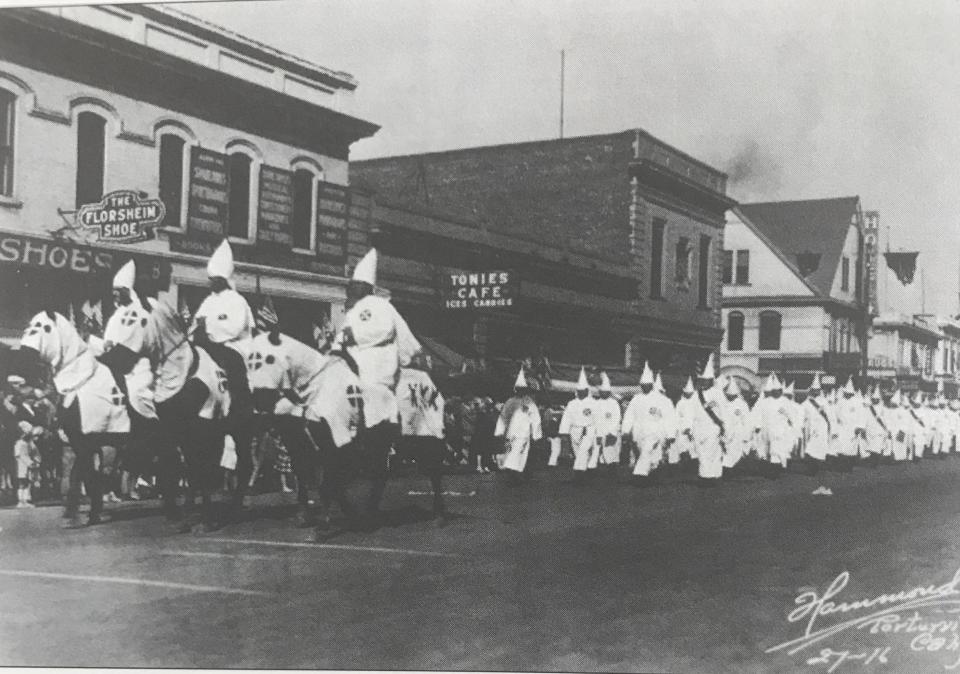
(166, 328)
(268, 365)
(53, 338)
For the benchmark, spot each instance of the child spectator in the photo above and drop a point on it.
(28, 460)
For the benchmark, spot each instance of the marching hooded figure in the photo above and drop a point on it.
(689, 414)
(796, 415)
(709, 430)
(519, 425)
(773, 422)
(922, 428)
(607, 428)
(819, 423)
(898, 420)
(578, 423)
(878, 432)
(851, 423)
(734, 414)
(650, 421)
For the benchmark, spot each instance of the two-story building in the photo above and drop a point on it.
(903, 351)
(614, 242)
(234, 138)
(793, 296)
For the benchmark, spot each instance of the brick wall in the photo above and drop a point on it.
(573, 193)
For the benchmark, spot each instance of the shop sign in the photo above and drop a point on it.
(122, 217)
(62, 256)
(479, 290)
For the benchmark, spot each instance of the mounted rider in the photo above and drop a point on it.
(378, 339)
(223, 325)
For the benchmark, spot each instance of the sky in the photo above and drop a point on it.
(794, 100)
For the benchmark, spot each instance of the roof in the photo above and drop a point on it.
(809, 226)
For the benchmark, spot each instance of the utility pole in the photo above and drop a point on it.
(563, 58)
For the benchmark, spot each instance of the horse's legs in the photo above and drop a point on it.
(430, 462)
(294, 437)
(376, 448)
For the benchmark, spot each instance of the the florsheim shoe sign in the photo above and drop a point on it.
(122, 217)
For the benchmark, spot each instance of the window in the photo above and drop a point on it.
(727, 267)
(735, 331)
(303, 200)
(8, 106)
(682, 262)
(171, 178)
(239, 166)
(703, 281)
(842, 347)
(91, 151)
(656, 259)
(770, 331)
(845, 273)
(743, 267)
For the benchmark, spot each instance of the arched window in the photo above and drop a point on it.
(735, 331)
(240, 211)
(304, 202)
(173, 160)
(8, 108)
(91, 155)
(770, 331)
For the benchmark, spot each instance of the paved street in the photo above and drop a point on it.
(544, 577)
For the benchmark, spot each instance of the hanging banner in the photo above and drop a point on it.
(123, 216)
(904, 265)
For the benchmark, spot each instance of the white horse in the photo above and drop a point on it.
(93, 411)
(317, 400)
(193, 403)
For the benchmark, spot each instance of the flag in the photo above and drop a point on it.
(904, 265)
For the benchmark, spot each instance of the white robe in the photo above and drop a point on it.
(737, 432)
(850, 421)
(819, 425)
(382, 344)
(773, 422)
(688, 411)
(902, 427)
(650, 420)
(578, 421)
(878, 431)
(421, 405)
(922, 432)
(519, 424)
(708, 435)
(608, 418)
(128, 327)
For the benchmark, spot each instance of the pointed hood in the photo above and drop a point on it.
(125, 276)
(815, 385)
(582, 384)
(773, 383)
(647, 376)
(689, 386)
(605, 383)
(521, 381)
(658, 384)
(366, 270)
(895, 399)
(708, 369)
(918, 398)
(875, 396)
(848, 387)
(732, 388)
(221, 262)
(788, 390)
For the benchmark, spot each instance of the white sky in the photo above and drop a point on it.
(796, 100)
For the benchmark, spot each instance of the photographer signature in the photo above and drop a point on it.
(909, 613)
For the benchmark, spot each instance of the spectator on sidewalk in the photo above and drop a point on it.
(28, 461)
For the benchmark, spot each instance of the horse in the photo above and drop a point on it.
(319, 401)
(193, 405)
(93, 409)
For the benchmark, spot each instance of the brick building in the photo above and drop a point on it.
(615, 240)
(234, 138)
